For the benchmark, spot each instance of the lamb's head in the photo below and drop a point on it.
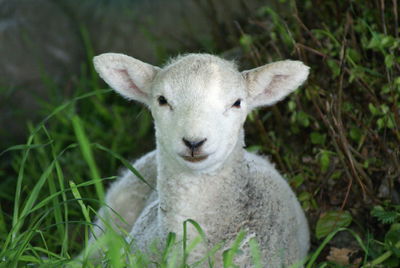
(199, 102)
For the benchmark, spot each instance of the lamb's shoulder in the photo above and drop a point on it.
(271, 198)
(275, 213)
(129, 194)
(145, 231)
(127, 197)
(263, 174)
(147, 168)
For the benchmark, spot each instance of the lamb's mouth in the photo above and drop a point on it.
(194, 159)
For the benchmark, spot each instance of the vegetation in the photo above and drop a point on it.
(337, 141)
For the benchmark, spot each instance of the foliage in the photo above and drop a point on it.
(389, 249)
(330, 221)
(387, 216)
(337, 140)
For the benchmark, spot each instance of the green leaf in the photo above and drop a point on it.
(375, 42)
(392, 237)
(302, 118)
(305, 196)
(324, 160)
(254, 148)
(336, 175)
(373, 109)
(317, 138)
(384, 108)
(384, 216)
(246, 41)
(396, 81)
(389, 60)
(334, 66)
(390, 123)
(347, 106)
(354, 54)
(331, 221)
(381, 123)
(392, 262)
(291, 105)
(386, 41)
(297, 181)
(355, 134)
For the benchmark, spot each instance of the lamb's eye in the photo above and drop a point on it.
(162, 101)
(237, 103)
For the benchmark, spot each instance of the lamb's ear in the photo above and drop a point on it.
(128, 76)
(270, 83)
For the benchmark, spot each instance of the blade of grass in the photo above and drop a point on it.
(18, 219)
(171, 239)
(3, 226)
(60, 177)
(210, 256)
(19, 188)
(186, 249)
(382, 257)
(35, 191)
(83, 207)
(115, 245)
(78, 197)
(255, 253)
(315, 255)
(24, 147)
(43, 202)
(229, 254)
(43, 158)
(22, 241)
(125, 163)
(60, 108)
(89, 56)
(29, 146)
(87, 153)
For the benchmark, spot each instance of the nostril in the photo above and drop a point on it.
(200, 143)
(193, 144)
(187, 143)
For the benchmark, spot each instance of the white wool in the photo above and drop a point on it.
(219, 185)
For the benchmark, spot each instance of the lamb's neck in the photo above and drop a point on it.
(172, 173)
(187, 194)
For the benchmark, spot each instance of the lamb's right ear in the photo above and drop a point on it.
(128, 76)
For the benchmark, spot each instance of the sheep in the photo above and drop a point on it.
(200, 169)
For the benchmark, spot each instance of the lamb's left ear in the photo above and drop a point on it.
(270, 83)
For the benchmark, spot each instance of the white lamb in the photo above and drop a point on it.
(200, 170)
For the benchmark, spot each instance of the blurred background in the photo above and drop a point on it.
(47, 42)
(336, 139)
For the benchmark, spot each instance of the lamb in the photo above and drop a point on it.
(200, 169)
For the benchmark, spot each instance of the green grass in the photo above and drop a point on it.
(337, 141)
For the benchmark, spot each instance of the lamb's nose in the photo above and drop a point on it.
(193, 145)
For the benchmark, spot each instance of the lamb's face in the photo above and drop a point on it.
(199, 109)
(199, 102)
